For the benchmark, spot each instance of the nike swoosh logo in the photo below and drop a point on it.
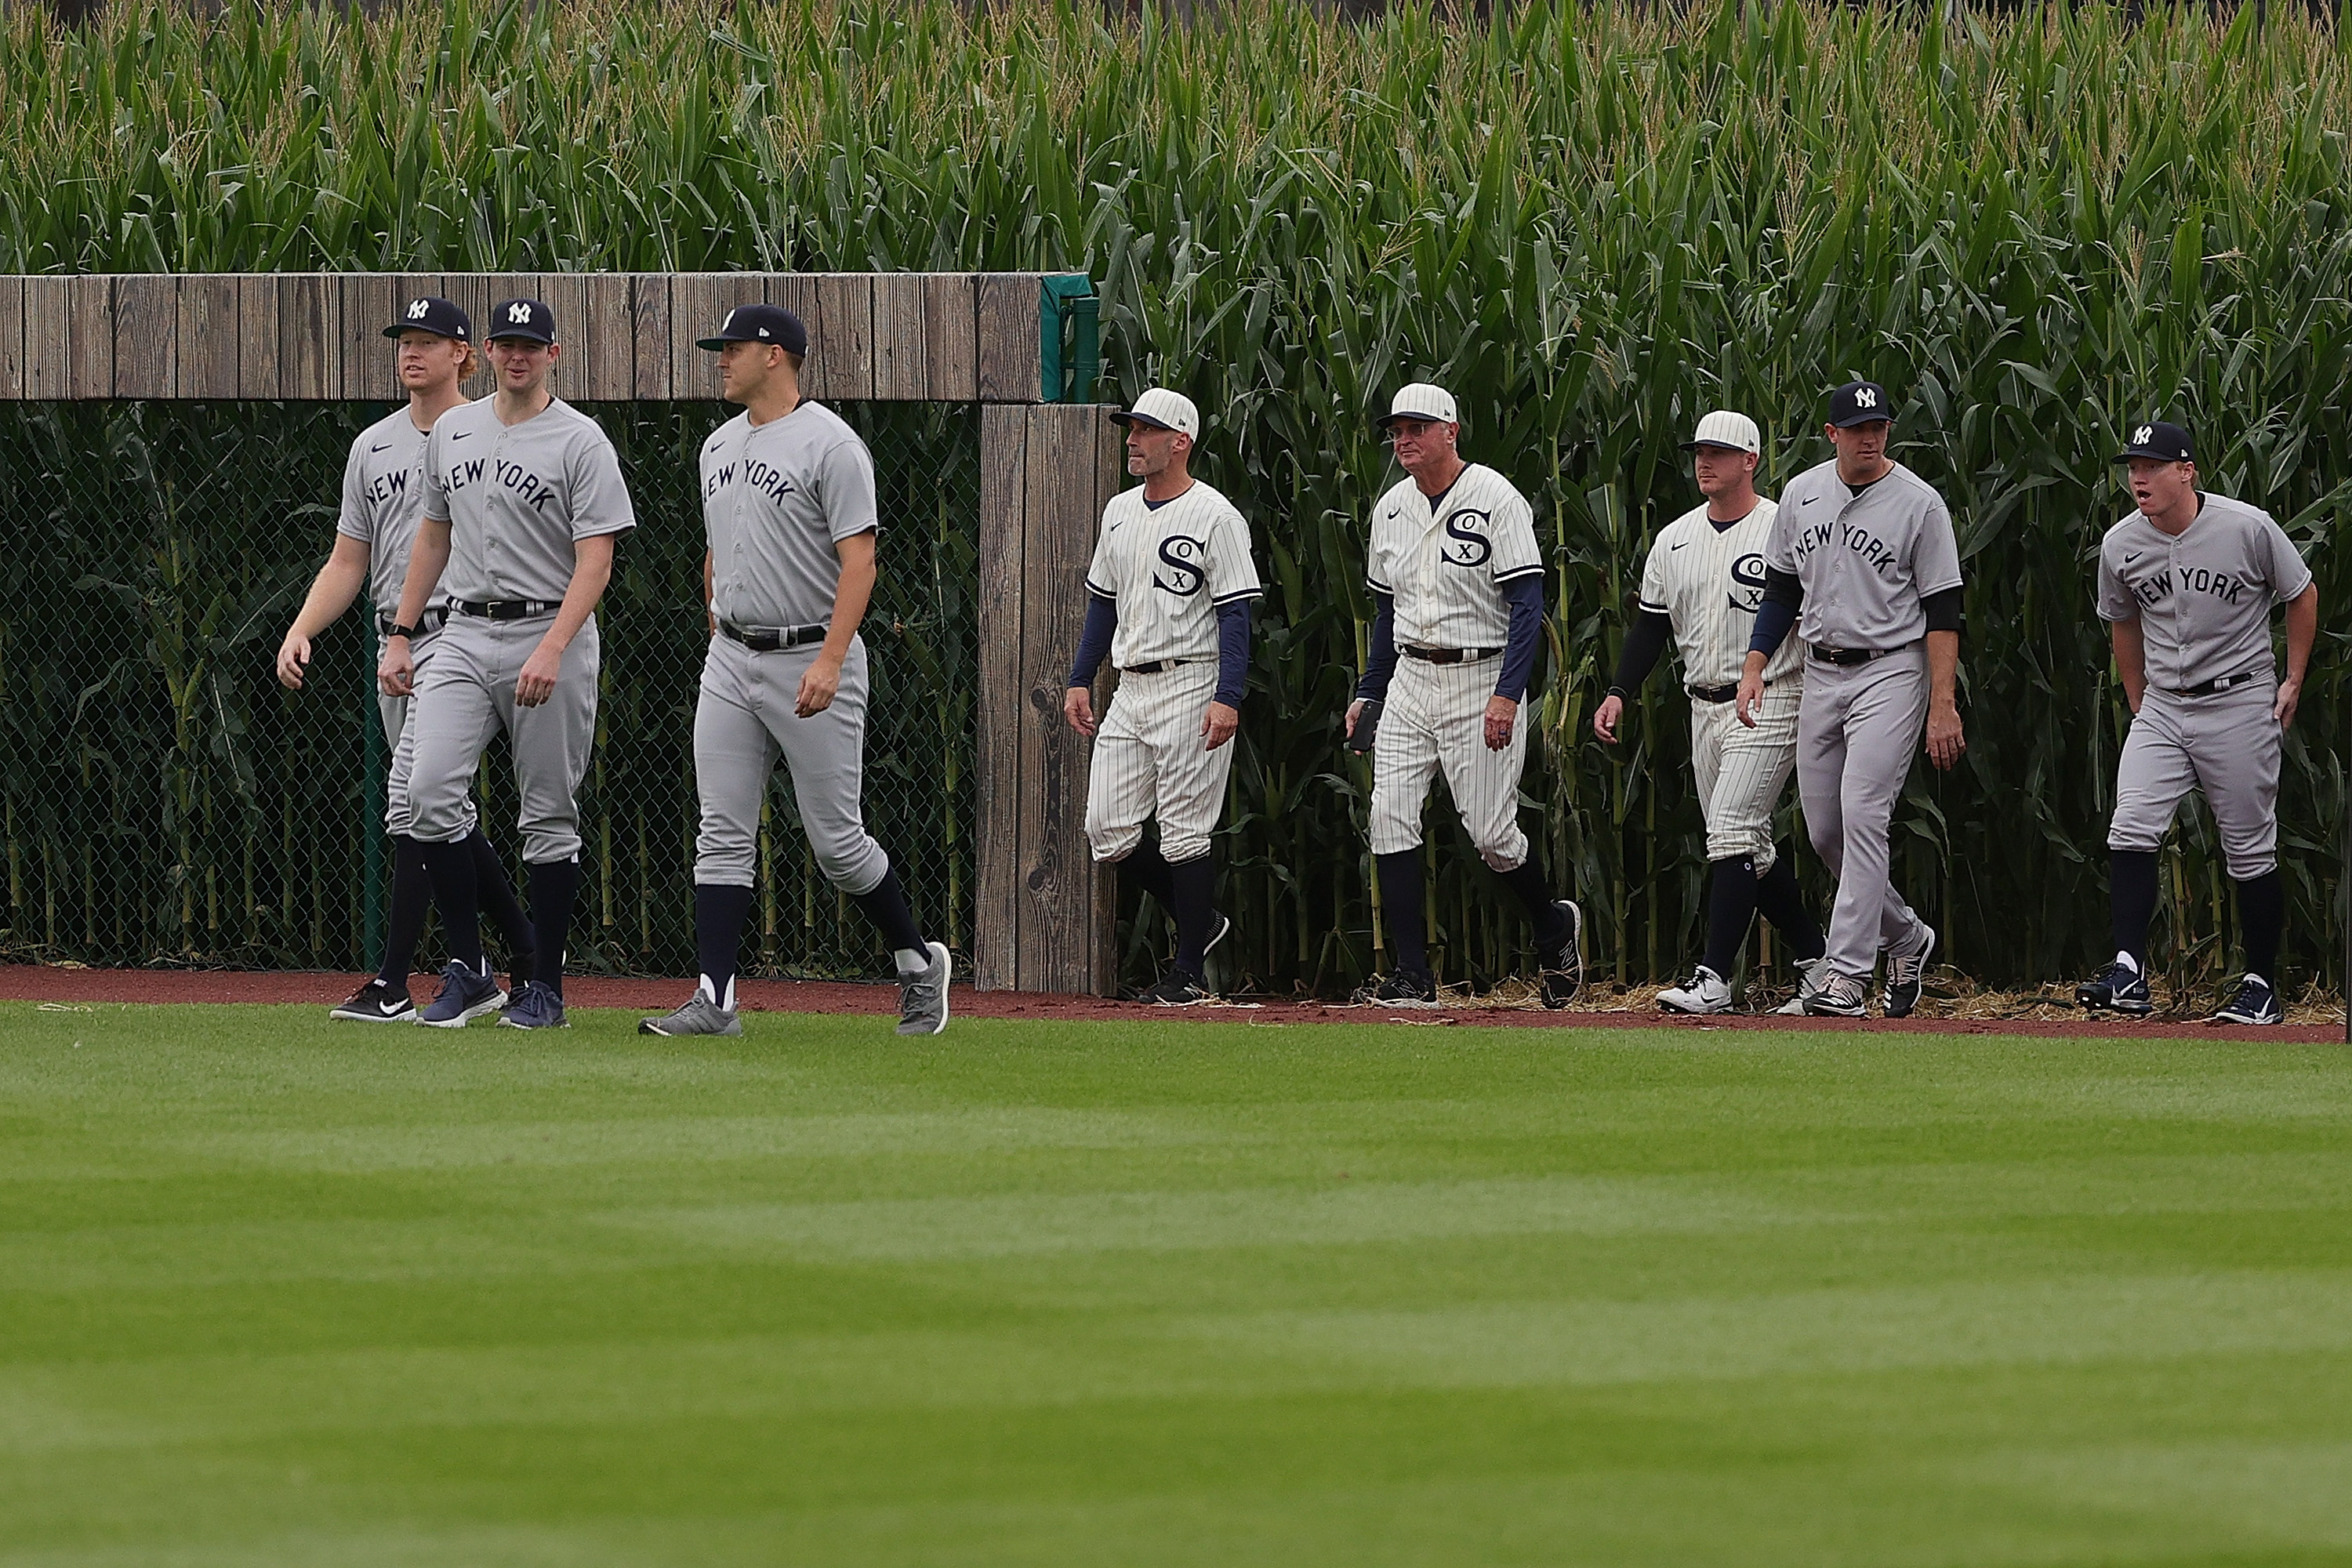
(385, 448)
(1808, 501)
(1672, 548)
(389, 1008)
(2134, 556)
(459, 435)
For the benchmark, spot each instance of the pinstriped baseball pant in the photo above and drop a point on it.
(1436, 720)
(1150, 761)
(1741, 771)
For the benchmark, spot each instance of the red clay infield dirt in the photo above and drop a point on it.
(61, 983)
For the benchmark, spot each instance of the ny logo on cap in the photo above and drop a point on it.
(1866, 397)
(2140, 436)
(518, 313)
(416, 310)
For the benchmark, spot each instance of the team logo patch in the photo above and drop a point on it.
(1865, 398)
(416, 310)
(2140, 436)
(1181, 554)
(518, 313)
(1469, 545)
(1747, 583)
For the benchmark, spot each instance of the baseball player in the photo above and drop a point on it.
(523, 506)
(382, 492)
(788, 502)
(1457, 582)
(2186, 587)
(1863, 563)
(1167, 598)
(1701, 585)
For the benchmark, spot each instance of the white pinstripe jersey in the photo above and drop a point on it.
(1445, 560)
(1155, 563)
(1708, 583)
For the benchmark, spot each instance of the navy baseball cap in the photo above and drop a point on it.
(2165, 443)
(760, 324)
(431, 313)
(1859, 403)
(523, 319)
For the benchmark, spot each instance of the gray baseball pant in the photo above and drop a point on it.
(1855, 735)
(399, 817)
(2226, 744)
(467, 695)
(743, 721)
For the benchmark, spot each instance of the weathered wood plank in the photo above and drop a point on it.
(950, 337)
(470, 292)
(146, 334)
(901, 363)
(89, 325)
(48, 339)
(11, 339)
(844, 307)
(698, 306)
(610, 330)
(999, 706)
(649, 325)
(1009, 303)
(211, 332)
(797, 293)
(310, 335)
(258, 374)
(566, 294)
(370, 303)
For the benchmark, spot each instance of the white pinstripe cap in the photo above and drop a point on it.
(1724, 428)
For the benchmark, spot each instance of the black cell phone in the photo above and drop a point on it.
(1365, 722)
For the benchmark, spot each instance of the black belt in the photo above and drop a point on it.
(506, 609)
(1157, 664)
(1448, 654)
(2218, 683)
(1850, 657)
(1714, 693)
(428, 623)
(771, 639)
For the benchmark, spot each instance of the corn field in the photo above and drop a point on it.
(1591, 224)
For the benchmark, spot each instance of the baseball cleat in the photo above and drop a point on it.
(2119, 988)
(2256, 1002)
(376, 1003)
(1707, 993)
(1178, 988)
(1903, 974)
(923, 998)
(466, 995)
(538, 1007)
(1405, 988)
(1221, 926)
(1811, 973)
(1837, 996)
(700, 1016)
(1564, 965)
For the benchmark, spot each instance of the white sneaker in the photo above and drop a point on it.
(1707, 993)
(1810, 976)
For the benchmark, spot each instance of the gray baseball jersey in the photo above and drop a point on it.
(1443, 560)
(1866, 558)
(518, 496)
(1708, 582)
(383, 496)
(1168, 568)
(2202, 597)
(776, 500)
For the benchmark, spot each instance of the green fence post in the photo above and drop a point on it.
(1068, 298)
(377, 766)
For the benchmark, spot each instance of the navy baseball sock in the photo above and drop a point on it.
(2131, 877)
(1781, 901)
(1401, 912)
(2261, 916)
(411, 898)
(886, 905)
(1528, 882)
(1153, 873)
(554, 885)
(719, 911)
(494, 893)
(1196, 884)
(451, 866)
(1730, 911)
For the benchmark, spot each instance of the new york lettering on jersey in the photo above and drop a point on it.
(1708, 583)
(1167, 569)
(1443, 561)
(518, 496)
(383, 497)
(777, 500)
(2204, 596)
(1867, 560)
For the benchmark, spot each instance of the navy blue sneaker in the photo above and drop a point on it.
(465, 996)
(2119, 988)
(537, 1008)
(2256, 1002)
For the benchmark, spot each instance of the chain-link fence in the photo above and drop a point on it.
(167, 803)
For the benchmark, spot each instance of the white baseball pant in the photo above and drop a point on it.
(1435, 720)
(466, 695)
(1741, 771)
(1150, 761)
(2226, 744)
(1856, 731)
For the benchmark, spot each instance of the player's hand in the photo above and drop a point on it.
(396, 674)
(1218, 724)
(1751, 700)
(536, 681)
(819, 681)
(292, 655)
(1078, 708)
(1355, 711)
(1944, 742)
(2290, 694)
(1502, 718)
(1605, 717)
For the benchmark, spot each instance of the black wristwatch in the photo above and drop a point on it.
(400, 631)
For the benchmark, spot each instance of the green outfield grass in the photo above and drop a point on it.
(273, 1291)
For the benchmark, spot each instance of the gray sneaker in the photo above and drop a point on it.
(700, 1016)
(923, 998)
